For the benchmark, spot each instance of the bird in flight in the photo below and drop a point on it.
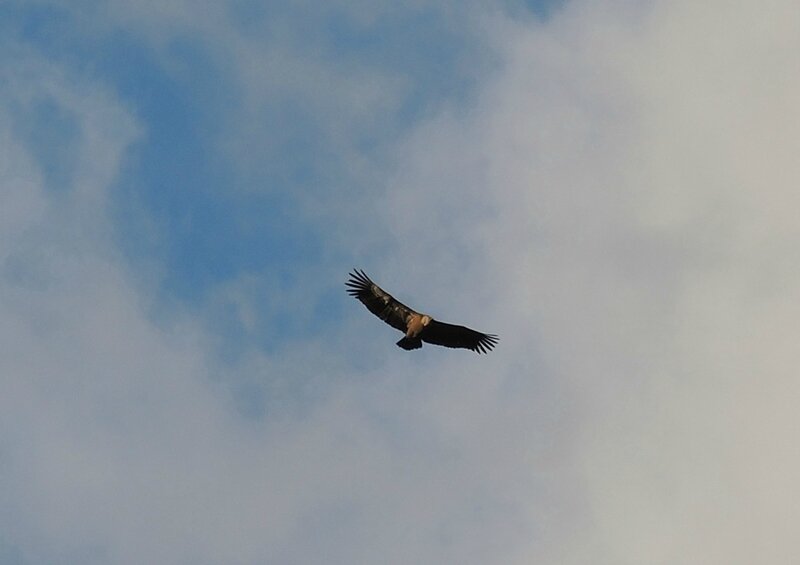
(417, 327)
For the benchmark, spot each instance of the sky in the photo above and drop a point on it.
(609, 186)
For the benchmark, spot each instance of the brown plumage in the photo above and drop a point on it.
(417, 327)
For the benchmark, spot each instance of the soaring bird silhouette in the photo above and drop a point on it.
(417, 327)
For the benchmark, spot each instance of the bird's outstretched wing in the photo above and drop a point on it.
(378, 301)
(449, 335)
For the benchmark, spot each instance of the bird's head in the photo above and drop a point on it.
(426, 320)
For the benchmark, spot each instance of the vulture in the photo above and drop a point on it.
(417, 327)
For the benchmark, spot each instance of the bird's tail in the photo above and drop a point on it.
(409, 343)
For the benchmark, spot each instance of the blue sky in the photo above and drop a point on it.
(610, 186)
(184, 202)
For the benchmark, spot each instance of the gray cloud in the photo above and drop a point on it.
(635, 200)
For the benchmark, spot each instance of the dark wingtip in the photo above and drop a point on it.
(357, 283)
(486, 344)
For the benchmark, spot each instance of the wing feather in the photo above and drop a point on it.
(450, 335)
(378, 301)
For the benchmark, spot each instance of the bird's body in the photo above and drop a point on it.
(416, 323)
(416, 326)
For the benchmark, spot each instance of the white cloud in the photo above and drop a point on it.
(639, 181)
